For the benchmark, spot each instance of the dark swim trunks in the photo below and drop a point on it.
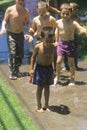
(43, 75)
(66, 48)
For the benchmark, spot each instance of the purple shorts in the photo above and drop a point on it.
(66, 48)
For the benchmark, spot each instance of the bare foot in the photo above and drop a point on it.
(48, 110)
(40, 110)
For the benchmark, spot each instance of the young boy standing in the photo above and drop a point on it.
(43, 56)
(66, 44)
(74, 16)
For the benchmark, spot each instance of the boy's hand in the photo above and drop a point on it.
(26, 36)
(55, 44)
(30, 39)
(31, 72)
(31, 76)
(3, 31)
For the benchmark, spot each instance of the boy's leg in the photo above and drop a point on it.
(11, 59)
(46, 96)
(58, 66)
(76, 53)
(38, 96)
(55, 59)
(76, 62)
(19, 54)
(72, 69)
(66, 66)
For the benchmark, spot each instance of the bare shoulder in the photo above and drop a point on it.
(52, 21)
(51, 17)
(75, 22)
(59, 22)
(37, 48)
(10, 8)
(36, 18)
(38, 45)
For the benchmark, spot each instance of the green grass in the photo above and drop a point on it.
(84, 58)
(12, 115)
(5, 3)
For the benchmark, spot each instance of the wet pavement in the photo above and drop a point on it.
(68, 104)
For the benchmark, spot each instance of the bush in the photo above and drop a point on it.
(82, 46)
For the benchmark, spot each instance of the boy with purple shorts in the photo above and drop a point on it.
(66, 44)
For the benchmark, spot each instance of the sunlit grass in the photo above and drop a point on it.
(12, 115)
(5, 3)
(84, 58)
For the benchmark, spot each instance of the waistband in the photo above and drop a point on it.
(44, 65)
(15, 33)
(67, 42)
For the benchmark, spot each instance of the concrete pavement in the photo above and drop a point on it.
(68, 103)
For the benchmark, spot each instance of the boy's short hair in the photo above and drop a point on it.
(47, 31)
(42, 5)
(74, 5)
(66, 6)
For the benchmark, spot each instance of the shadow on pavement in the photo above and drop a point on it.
(62, 109)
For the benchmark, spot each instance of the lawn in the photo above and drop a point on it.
(12, 115)
(5, 3)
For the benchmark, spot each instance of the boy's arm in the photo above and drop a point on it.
(53, 9)
(5, 20)
(32, 31)
(80, 28)
(33, 59)
(33, 28)
(56, 34)
(56, 37)
(27, 19)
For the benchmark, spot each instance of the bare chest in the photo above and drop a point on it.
(47, 52)
(65, 28)
(17, 16)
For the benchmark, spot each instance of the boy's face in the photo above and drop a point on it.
(48, 35)
(42, 11)
(65, 14)
(74, 11)
(20, 2)
(49, 39)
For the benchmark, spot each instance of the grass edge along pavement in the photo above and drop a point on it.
(12, 115)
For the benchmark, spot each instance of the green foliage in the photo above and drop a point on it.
(12, 115)
(82, 47)
(5, 3)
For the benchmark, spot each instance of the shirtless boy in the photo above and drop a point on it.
(74, 16)
(43, 19)
(15, 16)
(43, 72)
(66, 30)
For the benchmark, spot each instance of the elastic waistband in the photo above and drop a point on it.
(14, 33)
(44, 65)
(67, 42)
